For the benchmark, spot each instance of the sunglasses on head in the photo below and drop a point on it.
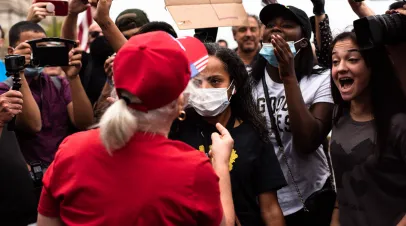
(94, 34)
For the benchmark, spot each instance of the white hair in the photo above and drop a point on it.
(119, 123)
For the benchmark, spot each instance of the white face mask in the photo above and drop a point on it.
(210, 102)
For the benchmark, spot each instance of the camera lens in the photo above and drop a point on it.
(394, 26)
(14, 63)
(380, 30)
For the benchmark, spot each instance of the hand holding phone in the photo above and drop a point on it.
(78, 6)
(60, 6)
(38, 11)
(102, 10)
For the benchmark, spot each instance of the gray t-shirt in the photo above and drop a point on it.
(370, 191)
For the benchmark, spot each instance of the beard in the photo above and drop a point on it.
(248, 48)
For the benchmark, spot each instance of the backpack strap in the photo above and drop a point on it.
(9, 81)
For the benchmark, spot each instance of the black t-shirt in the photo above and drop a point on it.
(254, 168)
(18, 202)
(370, 191)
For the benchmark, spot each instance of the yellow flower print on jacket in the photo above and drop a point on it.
(233, 156)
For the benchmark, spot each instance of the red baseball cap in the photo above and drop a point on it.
(156, 68)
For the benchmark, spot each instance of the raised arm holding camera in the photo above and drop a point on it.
(30, 119)
(58, 101)
(384, 30)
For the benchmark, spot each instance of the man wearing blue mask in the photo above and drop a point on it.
(62, 101)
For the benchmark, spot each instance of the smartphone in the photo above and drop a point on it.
(61, 6)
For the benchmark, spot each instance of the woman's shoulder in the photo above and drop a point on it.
(246, 131)
(82, 140)
(78, 145)
(319, 75)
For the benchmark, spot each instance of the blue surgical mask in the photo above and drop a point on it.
(267, 51)
(32, 71)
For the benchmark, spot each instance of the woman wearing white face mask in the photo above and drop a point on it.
(223, 93)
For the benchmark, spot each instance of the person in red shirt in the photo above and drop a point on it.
(127, 172)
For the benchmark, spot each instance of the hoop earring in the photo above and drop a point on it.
(182, 116)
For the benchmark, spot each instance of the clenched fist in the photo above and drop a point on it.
(11, 104)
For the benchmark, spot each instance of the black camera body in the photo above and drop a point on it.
(51, 51)
(37, 173)
(14, 64)
(380, 30)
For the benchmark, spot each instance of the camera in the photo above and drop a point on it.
(380, 30)
(51, 51)
(37, 173)
(14, 64)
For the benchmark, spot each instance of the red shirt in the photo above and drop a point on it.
(151, 181)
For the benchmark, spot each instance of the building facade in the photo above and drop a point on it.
(11, 12)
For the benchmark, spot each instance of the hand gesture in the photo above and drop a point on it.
(360, 8)
(318, 7)
(78, 6)
(285, 57)
(108, 66)
(11, 104)
(75, 63)
(23, 49)
(222, 145)
(401, 11)
(102, 10)
(38, 11)
(113, 97)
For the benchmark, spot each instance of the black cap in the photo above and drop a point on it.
(271, 11)
(131, 18)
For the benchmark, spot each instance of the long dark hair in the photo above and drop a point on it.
(242, 104)
(387, 98)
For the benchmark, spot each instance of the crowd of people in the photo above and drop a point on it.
(148, 128)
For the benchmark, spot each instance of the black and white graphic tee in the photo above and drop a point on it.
(370, 191)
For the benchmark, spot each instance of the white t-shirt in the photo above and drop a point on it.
(310, 171)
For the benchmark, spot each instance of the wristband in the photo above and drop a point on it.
(318, 7)
(318, 11)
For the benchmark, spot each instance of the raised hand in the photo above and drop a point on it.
(318, 7)
(285, 57)
(38, 11)
(222, 145)
(75, 63)
(102, 10)
(78, 6)
(23, 49)
(361, 8)
(108, 66)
